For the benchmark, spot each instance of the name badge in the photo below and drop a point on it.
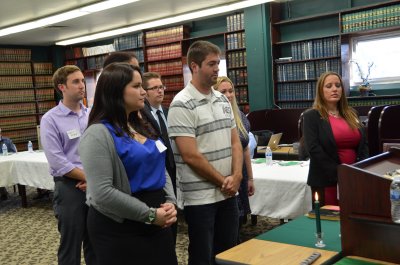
(160, 146)
(72, 134)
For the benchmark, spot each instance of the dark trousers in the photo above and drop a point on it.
(131, 242)
(71, 212)
(213, 228)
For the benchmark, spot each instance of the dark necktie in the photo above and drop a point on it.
(164, 131)
(170, 163)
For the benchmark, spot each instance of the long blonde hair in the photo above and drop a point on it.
(347, 112)
(234, 105)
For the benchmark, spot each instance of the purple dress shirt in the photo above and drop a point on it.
(60, 132)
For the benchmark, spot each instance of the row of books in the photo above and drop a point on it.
(164, 52)
(295, 105)
(22, 135)
(45, 94)
(17, 95)
(140, 55)
(44, 81)
(326, 47)
(79, 62)
(235, 22)
(373, 102)
(352, 102)
(15, 55)
(15, 69)
(129, 42)
(17, 109)
(236, 40)
(236, 59)
(161, 36)
(306, 70)
(238, 77)
(173, 83)
(120, 43)
(43, 68)
(74, 52)
(25, 95)
(98, 61)
(16, 82)
(381, 17)
(43, 107)
(241, 95)
(166, 68)
(168, 97)
(296, 91)
(7, 123)
(95, 62)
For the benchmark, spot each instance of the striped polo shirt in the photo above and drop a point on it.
(210, 120)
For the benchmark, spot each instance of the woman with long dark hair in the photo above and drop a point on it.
(129, 192)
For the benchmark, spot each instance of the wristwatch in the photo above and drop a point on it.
(151, 218)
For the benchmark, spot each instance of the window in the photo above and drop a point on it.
(383, 51)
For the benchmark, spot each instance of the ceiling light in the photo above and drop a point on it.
(43, 22)
(165, 21)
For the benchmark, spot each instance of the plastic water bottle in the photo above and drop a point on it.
(395, 199)
(268, 156)
(4, 150)
(30, 147)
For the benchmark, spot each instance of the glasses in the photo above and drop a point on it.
(157, 88)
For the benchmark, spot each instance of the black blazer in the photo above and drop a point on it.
(169, 160)
(321, 146)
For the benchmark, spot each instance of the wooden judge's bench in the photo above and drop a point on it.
(367, 229)
(367, 232)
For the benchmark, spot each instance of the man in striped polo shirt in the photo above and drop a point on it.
(208, 157)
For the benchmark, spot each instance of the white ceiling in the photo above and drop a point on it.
(13, 12)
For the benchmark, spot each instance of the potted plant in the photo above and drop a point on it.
(365, 87)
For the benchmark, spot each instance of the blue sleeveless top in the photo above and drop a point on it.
(144, 164)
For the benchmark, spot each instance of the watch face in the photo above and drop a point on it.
(152, 216)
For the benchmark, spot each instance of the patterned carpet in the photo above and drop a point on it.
(29, 236)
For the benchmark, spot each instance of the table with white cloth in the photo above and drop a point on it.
(25, 168)
(281, 191)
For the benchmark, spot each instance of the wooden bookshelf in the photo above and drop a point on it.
(91, 59)
(24, 87)
(236, 58)
(371, 18)
(44, 87)
(301, 52)
(163, 53)
(296, 71)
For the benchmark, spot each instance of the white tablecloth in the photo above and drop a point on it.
(281, 191)
(27, 169)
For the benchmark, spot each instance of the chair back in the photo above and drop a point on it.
(257, 119)
(372, 130)
(389, 127)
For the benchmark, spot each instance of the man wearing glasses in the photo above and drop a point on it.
(155, 95)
